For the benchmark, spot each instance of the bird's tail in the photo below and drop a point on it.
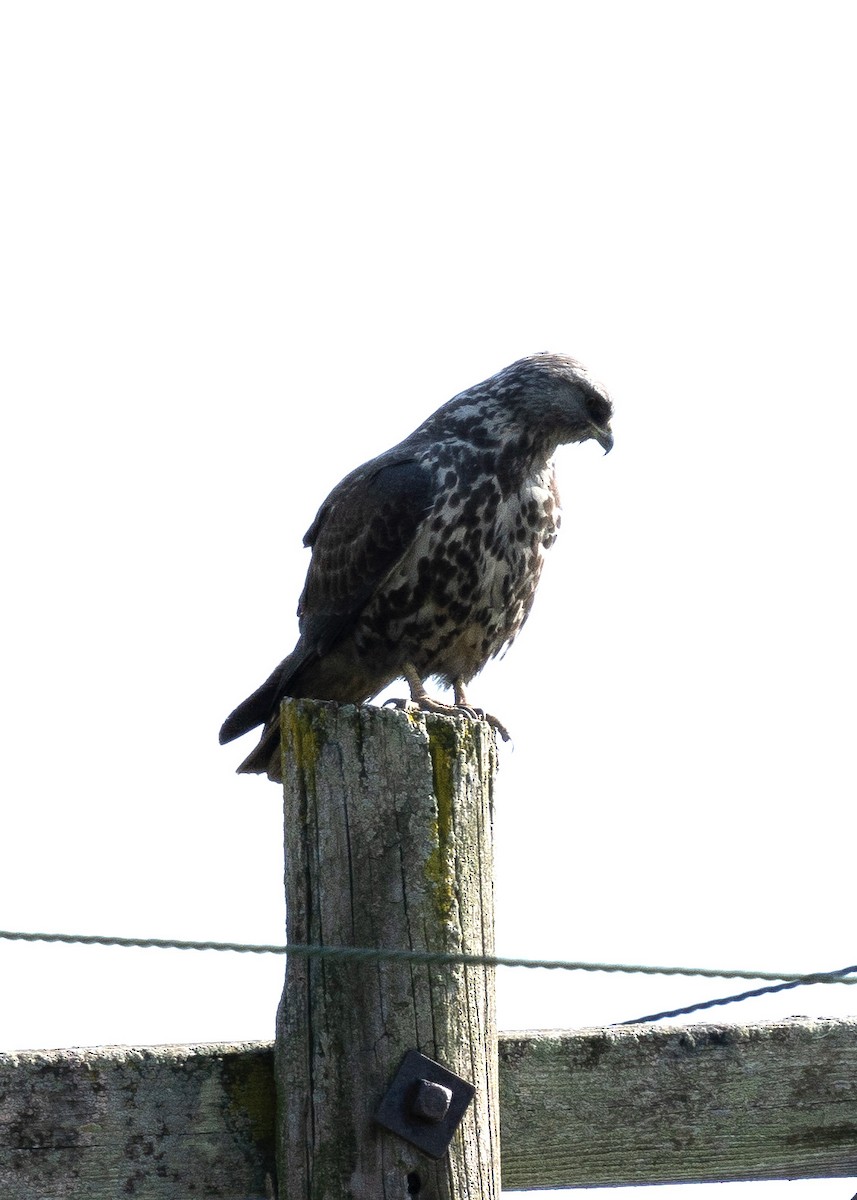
(337, 676)
(264, 759)
(256, 709)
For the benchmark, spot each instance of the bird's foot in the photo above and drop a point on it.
(425, 703)
(481, 715)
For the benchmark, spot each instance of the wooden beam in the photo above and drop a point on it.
(622, 1105)
(388, 840)
(645, 1104)
(160, 1122)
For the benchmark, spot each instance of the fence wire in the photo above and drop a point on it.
(781, 980)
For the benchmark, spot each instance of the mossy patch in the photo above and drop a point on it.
(446, 745)
(304, 734)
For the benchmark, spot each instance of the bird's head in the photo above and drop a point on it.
(553, 396)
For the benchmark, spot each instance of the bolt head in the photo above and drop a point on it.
(430, 1101)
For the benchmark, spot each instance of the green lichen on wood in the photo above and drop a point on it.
(303, 734)
(447, 741)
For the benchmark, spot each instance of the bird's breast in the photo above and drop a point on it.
(466, 585)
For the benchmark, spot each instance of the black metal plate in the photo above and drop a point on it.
(395, 1114)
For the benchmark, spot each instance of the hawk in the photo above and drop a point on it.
(426, 559)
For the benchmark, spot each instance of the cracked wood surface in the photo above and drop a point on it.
(388, 820)
(630, 1105)
(153, 1122)
(645, 1104)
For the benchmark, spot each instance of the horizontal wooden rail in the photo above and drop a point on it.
(623, 1105)
(642, 1104)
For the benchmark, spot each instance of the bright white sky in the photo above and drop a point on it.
(246, 247)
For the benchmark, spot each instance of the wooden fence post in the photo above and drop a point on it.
(388, 845)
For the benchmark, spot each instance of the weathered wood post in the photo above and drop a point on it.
(388, 845)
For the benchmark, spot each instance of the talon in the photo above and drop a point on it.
(498, 725)
(479, 714)
(427, 704)
(421, 701)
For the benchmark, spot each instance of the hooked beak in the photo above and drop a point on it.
(603, 437)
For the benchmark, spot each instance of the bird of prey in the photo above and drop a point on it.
(425, 560)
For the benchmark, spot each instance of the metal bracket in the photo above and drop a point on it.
(424, 1104)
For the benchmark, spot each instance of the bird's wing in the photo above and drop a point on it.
(361, 531)
(359, 535)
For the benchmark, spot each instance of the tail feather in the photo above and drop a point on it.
(340, 675)
(264, 759)
(256, 709)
